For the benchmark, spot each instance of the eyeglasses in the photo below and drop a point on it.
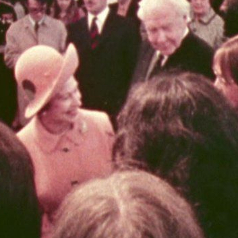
(36, 10)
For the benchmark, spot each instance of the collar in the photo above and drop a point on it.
(33, 22)
(74, 135)
(42, 136)
(101, 18)
(206, 19)
(157, 55)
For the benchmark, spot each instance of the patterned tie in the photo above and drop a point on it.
(157, 66)
(94, 34)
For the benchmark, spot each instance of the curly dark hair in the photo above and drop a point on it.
(182, 129)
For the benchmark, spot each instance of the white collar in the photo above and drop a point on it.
(33, 22)
(185, 33)
(101, 18)
(158, 53)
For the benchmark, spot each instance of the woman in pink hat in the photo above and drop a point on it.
(68, 145)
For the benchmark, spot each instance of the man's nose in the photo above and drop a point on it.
(161, 37)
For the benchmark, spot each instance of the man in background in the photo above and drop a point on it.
(107, 45)
(170, 43)
(206, 24)
(36, 28)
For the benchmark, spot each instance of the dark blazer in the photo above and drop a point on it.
(193, 55)
(104, 74)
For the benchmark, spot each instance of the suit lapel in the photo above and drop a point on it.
(29, 27)
(144, 61)
(147, 60)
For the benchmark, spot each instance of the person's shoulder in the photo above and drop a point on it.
(26, 131)
(197, 43)
(218, 20)
(125, 25)
(99, 120)
(95, 115)
(113, 16)
(78, 24)
(18, 23)
(53, 21)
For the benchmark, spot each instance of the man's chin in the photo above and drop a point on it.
(165, 51)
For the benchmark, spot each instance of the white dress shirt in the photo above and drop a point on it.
(101, 18)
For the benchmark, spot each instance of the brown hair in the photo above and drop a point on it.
(227, 58)
(128, 204)
(184, 130)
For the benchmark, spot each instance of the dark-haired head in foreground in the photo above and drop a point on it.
(183, 129)
(126, 205)
(19, 213)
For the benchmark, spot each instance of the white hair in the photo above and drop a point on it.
(148, 7)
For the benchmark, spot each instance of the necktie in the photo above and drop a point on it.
(94, 35)
(36, 27)
(157, 66)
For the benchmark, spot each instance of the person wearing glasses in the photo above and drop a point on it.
(36, 28)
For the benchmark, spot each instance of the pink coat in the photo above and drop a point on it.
(62, 161)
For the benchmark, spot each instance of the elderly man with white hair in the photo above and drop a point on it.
(170, 43)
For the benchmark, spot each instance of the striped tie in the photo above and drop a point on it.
(94, 34)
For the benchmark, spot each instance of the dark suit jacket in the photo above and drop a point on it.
(104, 74)
(193, 55)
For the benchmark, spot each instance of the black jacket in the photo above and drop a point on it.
(193, 55)
(104, 74)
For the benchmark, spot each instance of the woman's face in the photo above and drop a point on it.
(63, 107)
(227, 86)
(200, 7)
(64, 4)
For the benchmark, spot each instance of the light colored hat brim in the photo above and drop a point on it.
(69, 66)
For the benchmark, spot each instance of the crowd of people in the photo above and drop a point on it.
(121, 119)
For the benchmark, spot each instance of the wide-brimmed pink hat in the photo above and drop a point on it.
(41, 70)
